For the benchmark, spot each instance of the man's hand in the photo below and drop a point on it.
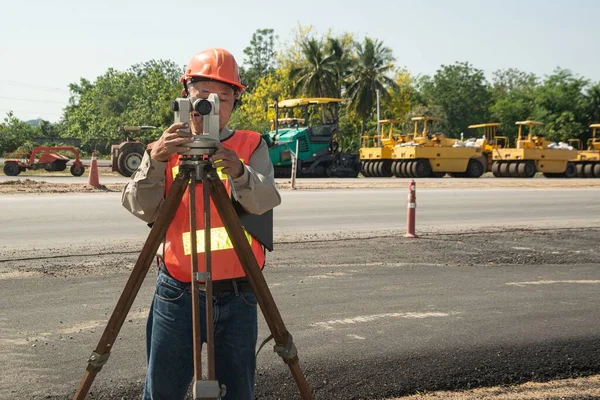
(171, 141)
(229, 160)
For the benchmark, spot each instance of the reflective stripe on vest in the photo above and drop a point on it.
(177, 248)
(219, 240)
(222, 176)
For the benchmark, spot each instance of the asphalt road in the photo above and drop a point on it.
(374, 315)
(38, 221)
(372, 318)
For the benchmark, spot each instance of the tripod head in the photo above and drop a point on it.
(205, 143)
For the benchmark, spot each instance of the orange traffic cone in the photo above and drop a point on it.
(93, 177)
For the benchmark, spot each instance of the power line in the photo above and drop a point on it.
(34, 86)
(34, 100)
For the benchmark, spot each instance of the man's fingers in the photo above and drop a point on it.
(176, 126)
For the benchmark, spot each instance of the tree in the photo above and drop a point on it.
(593, 96)
(260, 57)
(255, 113)
(463, 93)
(370, 75)
(14, 132)
(400, 100)
(513, 95)
(342, 49)
(562, 105)
(317, 74)
(141, 95)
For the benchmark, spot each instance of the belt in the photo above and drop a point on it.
(227, 285)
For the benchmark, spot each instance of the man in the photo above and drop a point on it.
(242, 156)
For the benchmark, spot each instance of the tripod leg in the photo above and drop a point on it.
(195, 295)
(203, 389)
(132, 287)
(210, 334)
(284, 344)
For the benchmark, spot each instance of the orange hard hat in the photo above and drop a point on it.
(214, 64)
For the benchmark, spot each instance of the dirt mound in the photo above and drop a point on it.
(31, 186)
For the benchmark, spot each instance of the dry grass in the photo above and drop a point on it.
(579, 388)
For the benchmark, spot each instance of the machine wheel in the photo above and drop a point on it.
(129, 160)
(59, 165)
(398, 169)
(11, 169)
(421, 168)
(496, 168)
(588, 170)
(526, 169)
(77, 169)
(373, 169)
(320, 171)
(387, 168)
(404, 170)
(366, 169)
(504, 169)
(377, 168)
(570, 171)
(597, 170)
(579, 169)
(410, 169)
(474, 169)
(513, 169)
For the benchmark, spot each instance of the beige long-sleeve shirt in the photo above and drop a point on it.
(255, 190)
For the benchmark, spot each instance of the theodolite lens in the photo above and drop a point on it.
(203, 106)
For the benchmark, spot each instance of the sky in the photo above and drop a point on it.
(45, 45)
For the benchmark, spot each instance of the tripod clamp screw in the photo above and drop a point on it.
(288, 351)
(97, 361)
(201, 276)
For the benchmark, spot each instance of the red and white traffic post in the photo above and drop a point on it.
(411, 210)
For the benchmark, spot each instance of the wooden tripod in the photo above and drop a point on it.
(212, 188)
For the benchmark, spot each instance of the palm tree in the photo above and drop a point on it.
(369, 76)
(342, 51)
(317, 75)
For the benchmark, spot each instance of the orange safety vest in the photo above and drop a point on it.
(225, 262)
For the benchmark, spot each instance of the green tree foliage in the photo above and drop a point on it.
(256, 112)
(369, 75)
(593, 96)
(14, 133)
(141, 95)
(260, 57)
(513, 94)
(317, 74)
(462, 92)
(560, 103)
(400, 97)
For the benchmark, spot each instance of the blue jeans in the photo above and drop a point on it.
(169, 341)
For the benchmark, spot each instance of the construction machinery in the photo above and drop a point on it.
(309, 130)
(376, 150)
(587, 162)
(43, 157)
(533, 153)
(489, 140)
(431, 154)
(126, 157)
